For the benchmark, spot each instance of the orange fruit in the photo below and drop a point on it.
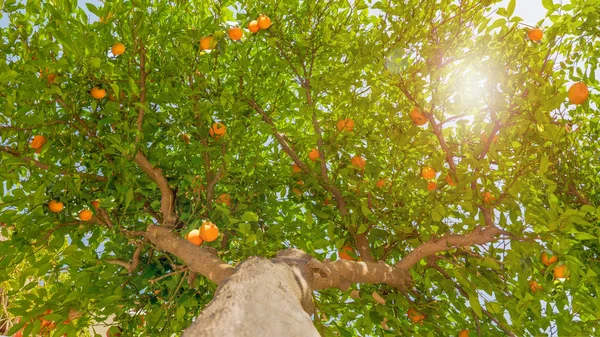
(96, 204)
(488, 198)
(85, 215)
(55, 206)
(313, 154)
(345, 125)
(549, 260)
(253, 26)
(535, 34)
(359, 162)
(217, 130)
(208, 231)
(417, 117)
(97, 93)
(296, 168)
(415, 316)
(428, 172)
(235, 33)
(207, 43)
(463, 333)
(47, 325)
(117, 49)
(194, 237)
(37, 142)
(534, 286)
(224, 199)
(450, 181)
(559, 272)
(343, 253)
(381, 183)
(578, 93)
(263, 22)
(431, 186)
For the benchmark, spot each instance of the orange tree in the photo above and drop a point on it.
(434, 144)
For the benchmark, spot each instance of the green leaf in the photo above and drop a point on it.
(474, 302)
(585, 236)
(250, 217)
(548, 4)
(511, 8)
(438, 212)
(95, 62)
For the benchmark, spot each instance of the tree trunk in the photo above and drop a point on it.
(262, 299)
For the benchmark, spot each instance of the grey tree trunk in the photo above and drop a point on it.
(262, 299)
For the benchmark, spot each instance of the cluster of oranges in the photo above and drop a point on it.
(236, 33)
(208, 232)
(85, 215)
(559, 271)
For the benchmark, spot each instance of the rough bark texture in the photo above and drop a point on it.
(262, 299)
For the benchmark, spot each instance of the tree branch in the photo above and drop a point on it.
(167, 198)
(479, 235)
(47, 167)
(200, 260)
(135, 261)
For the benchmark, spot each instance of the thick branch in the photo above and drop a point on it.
(167, 198)
(342, 273)
(199, 260)
(478, 236)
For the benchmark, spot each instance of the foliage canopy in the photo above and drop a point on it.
(467, 65)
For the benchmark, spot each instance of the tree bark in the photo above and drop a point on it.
(263, 298)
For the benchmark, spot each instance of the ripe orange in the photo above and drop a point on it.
(428, 172)
(55, 206)
(535, 34)
(313, 154)
(47, 325)
(345, 125)
(549, 260)
(417, 117)
(359, 162)
(96, 204)
(208, 231)
(97, 93)
(235, 33)
(224, 199)
(578, 93)
(559, 272)
(117, 49)
(37, 142)
(415, 316)
(85, 215)
(217, 130)
(296, 168)
(464, 333)
(488, 198)
(431, 186)
(194, 237)
(534, 286)
(381, 183)
(450, 181)
(253, 26)
(343, 253)
(264, 21)
(207, 43)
